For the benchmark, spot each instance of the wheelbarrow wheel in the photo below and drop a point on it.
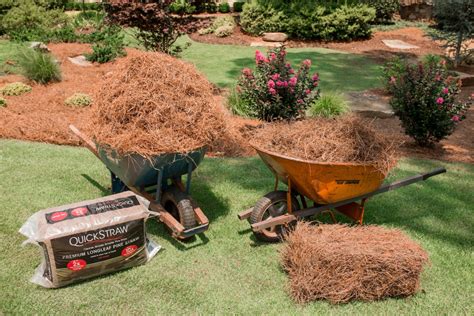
(271, 205)
(179, 205)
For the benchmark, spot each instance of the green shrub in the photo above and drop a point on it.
(257, 18)
(237, 105)
(28, 21)
(182, 6)
(224, 31)
(64, 34)
(15, 89)
(39, 67)
(88, 19)
(108, 45)
(28, 15)
(224, 7)
(329, 105)
(384, 9)
(225, 25)
(424, 98)
(210, 6)
(78, 100)
(3, 102)
(349, 22)
(238, 6)
(326, 22)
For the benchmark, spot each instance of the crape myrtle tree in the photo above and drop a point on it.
(455, 19)
(156, 25)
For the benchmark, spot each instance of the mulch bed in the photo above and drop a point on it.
(41, 115)
(373, 47)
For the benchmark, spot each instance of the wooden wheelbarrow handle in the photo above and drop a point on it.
(87, 141)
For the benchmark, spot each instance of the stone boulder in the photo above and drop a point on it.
(274, 37)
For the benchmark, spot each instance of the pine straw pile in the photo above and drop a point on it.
(153, 104)
(347, 139)
(339, 263)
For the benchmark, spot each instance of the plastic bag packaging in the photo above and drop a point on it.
(87, 239)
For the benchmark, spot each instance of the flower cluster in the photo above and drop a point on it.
(275, 90)
(425, 98)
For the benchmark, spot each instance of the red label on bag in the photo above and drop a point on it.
(58, 216)
(129, 250)
(80, 211)
(76, 265)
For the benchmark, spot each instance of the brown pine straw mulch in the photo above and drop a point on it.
(349, 139)
(152, 104)
(339, 263)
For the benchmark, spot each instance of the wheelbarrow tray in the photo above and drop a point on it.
(137, 171)
(321, 182)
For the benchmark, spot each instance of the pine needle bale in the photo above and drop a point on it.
(340, 263)
(347, 139)
(154, 104)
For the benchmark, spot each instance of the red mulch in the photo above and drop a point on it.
(41, 115)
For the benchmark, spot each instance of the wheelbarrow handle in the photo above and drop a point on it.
(87, 141)
(434, 173)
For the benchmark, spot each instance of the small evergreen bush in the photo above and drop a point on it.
(384, 9)
(38, 66)
(238, 6)
(224, 7)
(108, 45)
(78, 100)
(221, 26)
(15, 89)
(3, 102)
(309, 20)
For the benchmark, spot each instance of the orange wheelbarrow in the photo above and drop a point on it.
(328, 187)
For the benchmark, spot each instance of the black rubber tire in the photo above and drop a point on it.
(260, 211)
(178, 204)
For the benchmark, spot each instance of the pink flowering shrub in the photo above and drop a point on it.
(275, 90)
(424, 98)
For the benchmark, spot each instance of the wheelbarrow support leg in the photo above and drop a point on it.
(188, 180)
(159, 186)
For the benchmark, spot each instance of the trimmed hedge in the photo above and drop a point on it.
(345, 22)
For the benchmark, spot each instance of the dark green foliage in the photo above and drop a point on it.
(308, 22)
(224, 7)
(38, 66)
(238, 6)
(108, 44)
(384, 9)
(157, 26)
(424, 98)
(455, 19)
(182, 6)
(27, 16)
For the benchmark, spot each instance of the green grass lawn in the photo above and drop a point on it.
(225, 270)
(222, 64)
(341, 71)
(8, 51)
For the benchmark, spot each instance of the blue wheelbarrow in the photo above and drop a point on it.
(159, 180)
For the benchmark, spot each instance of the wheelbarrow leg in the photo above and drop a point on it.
(159, 186)
(117, 185)
(354, 211)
